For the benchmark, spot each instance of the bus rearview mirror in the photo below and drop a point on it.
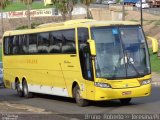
(154, 43)
(92, 46)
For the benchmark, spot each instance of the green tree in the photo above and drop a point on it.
(28, 4)
(3, 4)
(65, 7)
(87, 3)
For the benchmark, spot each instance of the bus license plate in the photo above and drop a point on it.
(126, 93)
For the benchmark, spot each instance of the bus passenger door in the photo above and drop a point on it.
(85, 63)
(87, 72)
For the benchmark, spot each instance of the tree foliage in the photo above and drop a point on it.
(65, 7)
(28, 4)
(4, 3)
(88, 2)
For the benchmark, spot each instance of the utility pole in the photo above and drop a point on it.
(123, 11)
(141, 13)
(28, 14)
(1, 7)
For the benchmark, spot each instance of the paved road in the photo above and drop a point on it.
(60, 105)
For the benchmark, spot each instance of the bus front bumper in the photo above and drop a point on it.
(111, 94)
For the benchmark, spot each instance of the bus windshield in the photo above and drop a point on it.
(121, 52)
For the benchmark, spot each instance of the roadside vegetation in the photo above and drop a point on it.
(155, 62)
(17, 6)
(155, 22)
(0, 54)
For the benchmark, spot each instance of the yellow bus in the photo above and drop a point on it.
(84, 59)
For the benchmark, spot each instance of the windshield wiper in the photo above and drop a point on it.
(130, 63)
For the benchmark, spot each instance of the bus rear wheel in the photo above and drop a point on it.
(79, 100)
(27, 94)
(125, 101)
(19, 90)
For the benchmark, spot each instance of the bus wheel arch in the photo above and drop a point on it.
(23, 79)
(16, 81)
(26, 92)
(73, 86)
(18, 88)
(76, 94)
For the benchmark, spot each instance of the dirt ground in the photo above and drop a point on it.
(20, 108)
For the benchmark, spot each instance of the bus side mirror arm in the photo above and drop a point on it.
(154, 44)
(92, 47)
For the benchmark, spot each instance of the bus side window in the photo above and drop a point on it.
(15, 49)
(6, 46)
(10, 43)
(20, 45)
(55, 42)
(84, 54)
(25, 39)
(43, 42)
(33, 44)
(68, 45)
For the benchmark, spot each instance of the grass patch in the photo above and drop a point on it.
(0, 53)
(150, 21)
(155, 62)
(134, 20)
(157, 22)
(18, 6)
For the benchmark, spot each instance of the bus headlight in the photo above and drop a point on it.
(102, 85)
(145, 82)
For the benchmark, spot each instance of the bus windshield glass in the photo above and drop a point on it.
(121, 52)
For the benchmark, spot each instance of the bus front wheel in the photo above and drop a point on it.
(19, 90)
(125, 101)
(79, 100)
(27, 94)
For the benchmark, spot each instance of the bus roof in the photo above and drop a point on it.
(68, 24)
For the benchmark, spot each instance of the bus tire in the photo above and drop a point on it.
(80, 101)
(27, 94)
(18, 89)
(125, 101)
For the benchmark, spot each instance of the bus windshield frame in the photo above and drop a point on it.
(122, 52)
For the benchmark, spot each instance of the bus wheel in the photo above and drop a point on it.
(80, 101)
(125, 101)
(27, 94)
(19, 90)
